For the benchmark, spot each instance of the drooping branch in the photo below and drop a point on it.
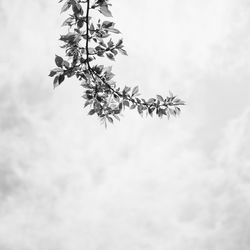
(101, 93)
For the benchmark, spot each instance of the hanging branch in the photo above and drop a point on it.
(101, 94)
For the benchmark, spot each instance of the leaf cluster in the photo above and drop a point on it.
(84, 42)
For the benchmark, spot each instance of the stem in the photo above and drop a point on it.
(87, 38)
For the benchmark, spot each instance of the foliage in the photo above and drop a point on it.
(84, 42)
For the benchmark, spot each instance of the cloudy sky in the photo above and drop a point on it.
(66, 183)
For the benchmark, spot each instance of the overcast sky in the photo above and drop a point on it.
(67, 183)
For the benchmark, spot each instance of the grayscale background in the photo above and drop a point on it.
(67, 183)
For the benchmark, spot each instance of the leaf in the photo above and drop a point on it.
(160, 98)
(126, 103)
(92, 28)
(77, 9)
(91, 51)
(139, 109)
(119, 43)
(68, 22)
(126, 90)
(70, 37)
(91, 112)
(151, 100)
(58, 61)
(172, 112)
(55, 82)
(133, 106)
(108, 69)
(65, 64)
(107, 24)
(116, 117)
(181, 103)
(110, 43)
(123, 52)
(117, 111)
(150, 111)
(109, 76)
(87, 103)
(110, 56)
(110, 119)
(116, 31)
(138, 100)
(61, 79)
(177, 110)
(105, 11)
(53, 72)
(102, 43)
(80, 23)
(66, 6)
(135, 90)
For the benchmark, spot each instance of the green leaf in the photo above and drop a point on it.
(105, 11)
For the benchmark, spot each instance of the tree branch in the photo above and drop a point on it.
(104, 98)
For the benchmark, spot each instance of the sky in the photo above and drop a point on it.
(67, 183)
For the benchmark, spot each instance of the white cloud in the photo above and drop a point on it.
(67, 183)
